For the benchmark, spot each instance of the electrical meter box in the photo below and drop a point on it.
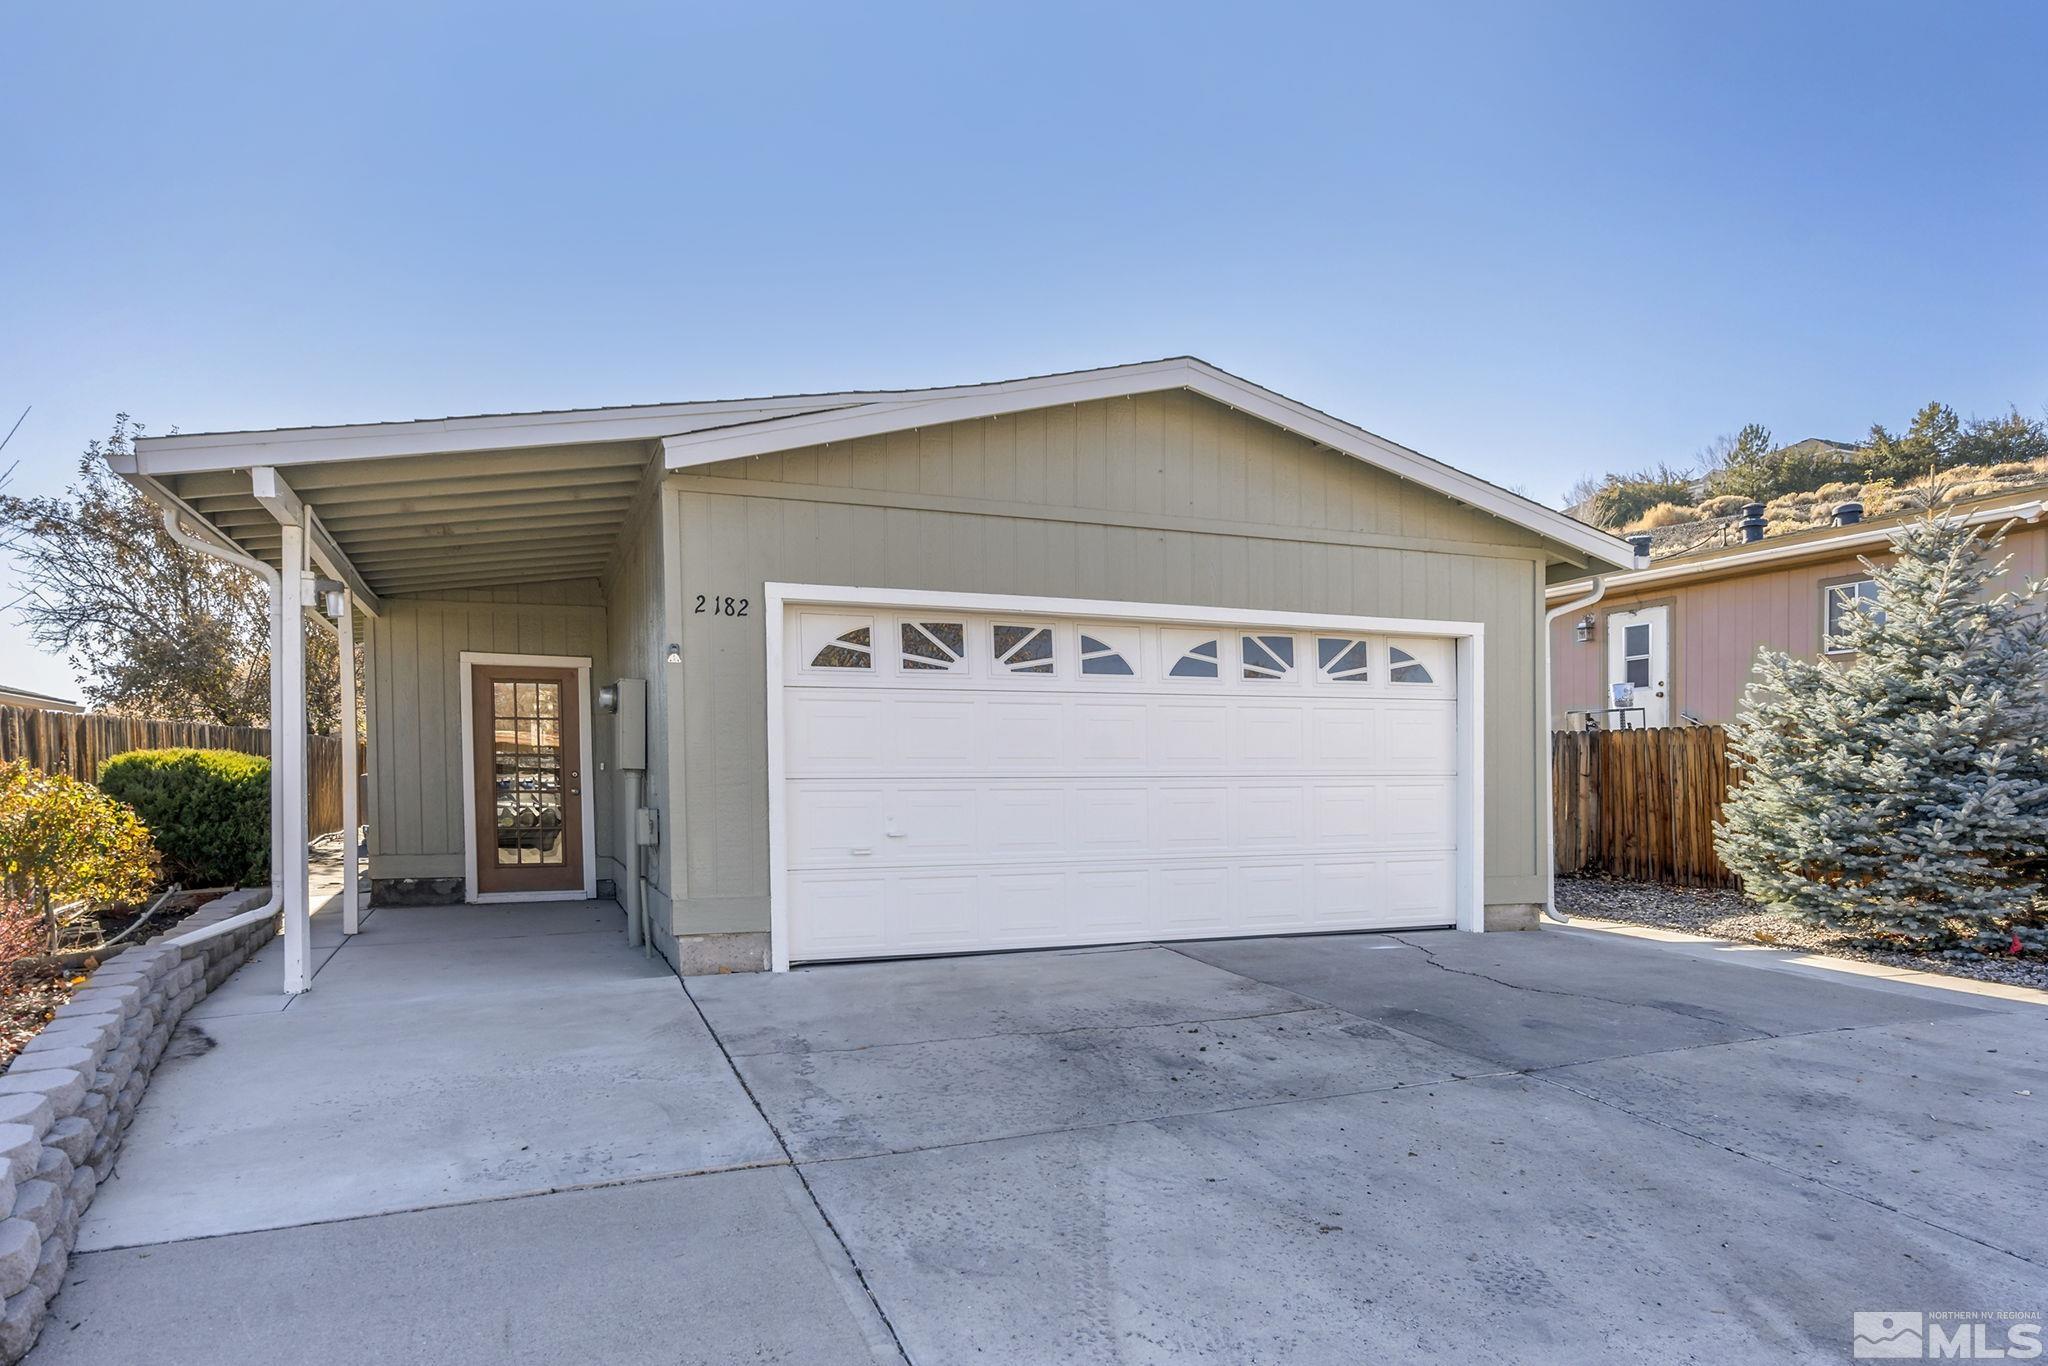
(629, 725)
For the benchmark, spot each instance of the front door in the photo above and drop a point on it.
(1639, 667)
(529, 783)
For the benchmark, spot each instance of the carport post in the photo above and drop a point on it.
(288, 754)
(350, 818)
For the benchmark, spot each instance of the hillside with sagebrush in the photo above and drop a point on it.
(1940, 459)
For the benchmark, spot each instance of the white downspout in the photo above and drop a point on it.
(1549, 756)
(272, 582)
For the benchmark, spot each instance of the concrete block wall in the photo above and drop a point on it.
(66, 1099)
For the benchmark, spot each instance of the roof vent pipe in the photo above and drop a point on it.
(1640, 543)
(1752, 522)
(1848, 514)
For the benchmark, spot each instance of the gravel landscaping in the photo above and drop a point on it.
(1726, 914)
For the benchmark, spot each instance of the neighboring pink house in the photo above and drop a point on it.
(1679, 638)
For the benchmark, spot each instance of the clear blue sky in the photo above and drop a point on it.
(1532, 240)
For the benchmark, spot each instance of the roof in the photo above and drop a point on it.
(8, 690)
(458, 502)
(1815, 543)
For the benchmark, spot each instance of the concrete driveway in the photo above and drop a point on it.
(1562, 1146)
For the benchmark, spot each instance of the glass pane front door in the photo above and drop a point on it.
(528, 785)
(527, 772)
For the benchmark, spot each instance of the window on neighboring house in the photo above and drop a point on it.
(1840, 599)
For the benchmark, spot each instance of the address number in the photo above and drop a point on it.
(720, 607)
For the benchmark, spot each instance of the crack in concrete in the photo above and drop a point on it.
(859, 1272)
(1431, 958)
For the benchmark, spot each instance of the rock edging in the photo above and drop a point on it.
(66, 1099)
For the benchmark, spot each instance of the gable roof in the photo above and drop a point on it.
(763, 434)
(447, 502)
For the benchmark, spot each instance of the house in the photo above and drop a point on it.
(1132, 653)
(1679, 638)
(22, 697)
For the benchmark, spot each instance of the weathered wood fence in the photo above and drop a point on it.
(77, 744)
(1641, 804)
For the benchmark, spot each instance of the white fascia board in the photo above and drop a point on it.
(686, 450)
(200, 453)
(2030, 512)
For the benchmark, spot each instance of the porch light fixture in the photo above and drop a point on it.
(675, 653)
(1584, 628)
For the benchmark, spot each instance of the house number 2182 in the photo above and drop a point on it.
(721, 607)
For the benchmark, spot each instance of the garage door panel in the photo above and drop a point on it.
(1109, 736)
(1027, 908)
(1111, 821)
(1023, 820)
(1418, 814)
(1269, 817)
(1270, 735)
(934, 912)
(1419, 890)
(1191, 899)
(930, 733)
(835, 734)
(1019, 736)
(1192, 735)
(935, 823)
(1101, 796)
(1272, 897)
(1345, 736)
(1346, 814)
(1346, 894)
(1419, 737)
(1110, 904)
(828, 824)
(834, 915)
(1191, 818)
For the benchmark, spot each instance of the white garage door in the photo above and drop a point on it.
(959, 781)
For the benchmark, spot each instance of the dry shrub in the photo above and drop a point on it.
(1664, 514)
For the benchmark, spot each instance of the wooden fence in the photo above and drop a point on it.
(77, 744)
(1641, 804)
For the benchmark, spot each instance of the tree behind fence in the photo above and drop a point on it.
(77, 744)
(1641, 804)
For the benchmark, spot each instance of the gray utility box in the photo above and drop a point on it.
(629, 726)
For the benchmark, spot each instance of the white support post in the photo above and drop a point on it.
(351, 908)
(288, 759)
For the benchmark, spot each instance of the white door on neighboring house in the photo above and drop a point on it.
(1639, 655)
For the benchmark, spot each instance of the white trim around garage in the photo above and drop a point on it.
(1467, 638)
(581, 664)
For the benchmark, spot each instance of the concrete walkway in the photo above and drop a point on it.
(1550, 1147)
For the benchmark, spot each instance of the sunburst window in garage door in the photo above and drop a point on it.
(1268, 657)
(1193, 653)
(1404, 667)
(1022, 649)
(1344, 659)
(839, 642)
(1108, 652)
(934, 646)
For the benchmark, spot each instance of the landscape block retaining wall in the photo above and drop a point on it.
(66, 1099)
